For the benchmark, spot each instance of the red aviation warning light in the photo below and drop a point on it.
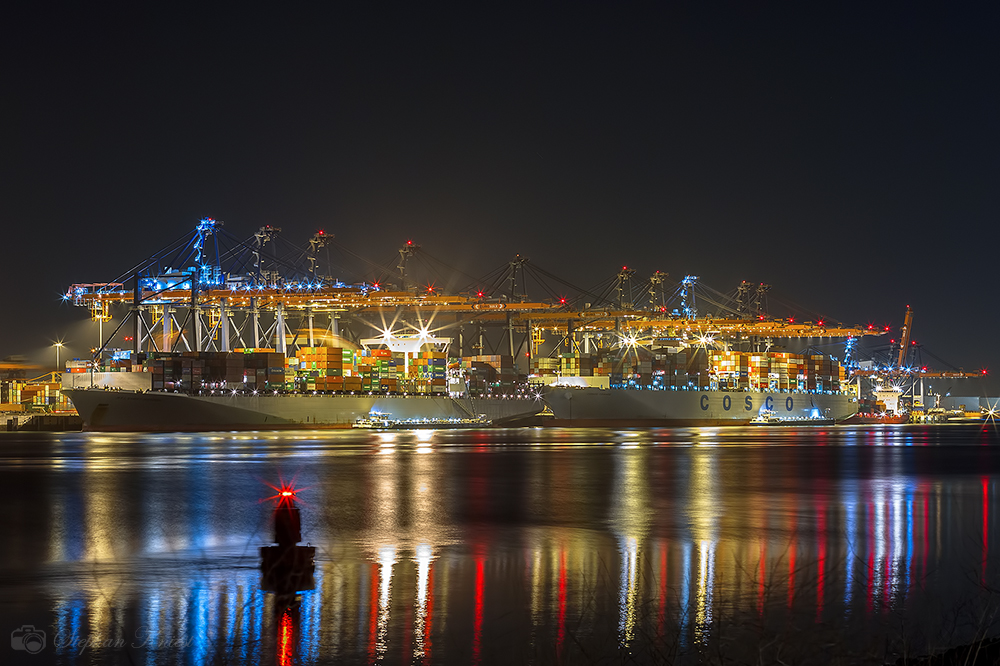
(562, 301)
(479, 294)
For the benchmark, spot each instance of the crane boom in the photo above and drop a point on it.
(904, 343)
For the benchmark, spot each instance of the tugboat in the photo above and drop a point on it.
(380, 421)
(767, 417)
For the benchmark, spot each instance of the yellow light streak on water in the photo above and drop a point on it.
(424, 556)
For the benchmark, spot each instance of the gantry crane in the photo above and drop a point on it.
(234, 293)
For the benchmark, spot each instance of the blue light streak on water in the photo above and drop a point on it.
(196, 638)
(851, 530)
(898, 553)
(885, 538)
(151, 633)
(909, 534)
(252, 629)
(685, 595)
(228, 596)
(309, 624)
(69, 617)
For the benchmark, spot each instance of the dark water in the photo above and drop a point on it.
(510, 546)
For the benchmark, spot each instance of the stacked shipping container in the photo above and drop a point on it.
(698, 368)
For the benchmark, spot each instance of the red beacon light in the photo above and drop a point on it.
(562, 301)
(479, 294)
(284, 494)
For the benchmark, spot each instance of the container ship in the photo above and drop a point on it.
(699, 387)
(320, 387)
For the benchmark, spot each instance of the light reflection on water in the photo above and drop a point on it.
(470, 547)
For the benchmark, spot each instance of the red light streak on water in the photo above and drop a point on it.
(662, 618)
(870, 574)
(373, 581)
(791, 573)
(562, 603)
(791, 563)
(986, 520)
(760, 581)
(286, 636)
(821, 564)
(477, 631)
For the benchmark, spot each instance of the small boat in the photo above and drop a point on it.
(767, 417)
(377, 421)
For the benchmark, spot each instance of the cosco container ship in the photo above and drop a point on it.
(109, 410)
(320, 387)
(698, 387)
(592, 406)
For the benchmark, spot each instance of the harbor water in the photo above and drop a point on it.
(688, 545)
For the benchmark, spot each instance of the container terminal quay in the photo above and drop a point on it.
(217, 332)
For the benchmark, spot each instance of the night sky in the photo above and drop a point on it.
(848, 156)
